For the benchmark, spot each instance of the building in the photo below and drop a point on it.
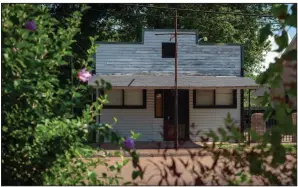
(210, 83)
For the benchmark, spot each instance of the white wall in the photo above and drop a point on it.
(210, 118)
(139, 120)
(143, 120)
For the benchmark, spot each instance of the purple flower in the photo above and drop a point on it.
(129, 143)
(30, 25)
(84, 75)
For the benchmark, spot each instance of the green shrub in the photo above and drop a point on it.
(42, 142)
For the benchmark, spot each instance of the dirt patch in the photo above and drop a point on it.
(193, 170)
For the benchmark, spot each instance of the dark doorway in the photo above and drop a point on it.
(169, 114)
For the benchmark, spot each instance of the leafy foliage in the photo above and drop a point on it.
(268, 159)
(124, 23)
(281, 109)
(42, 141)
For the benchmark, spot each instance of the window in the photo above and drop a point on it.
(114, 97)
(168, 50)
(224, 97)
(219, 98)
(158, 96)
(132, 99)
(205, 97)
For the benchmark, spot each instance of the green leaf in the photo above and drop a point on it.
(244, 178)
(254, 135)
(279, 10)
(4, 128)
(291, 20)
(262, 78)
(268, 113)
(213, 135)
(292, 92)
(93, 176)
(112, 168)
(281, 41)
(135, 174)
(125, 162)
(265, 32)
(104, 175)
(134, 135)
(284, 119)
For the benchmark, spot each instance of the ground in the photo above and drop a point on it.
(157, 168)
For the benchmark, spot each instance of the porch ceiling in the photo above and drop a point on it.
(167, 81)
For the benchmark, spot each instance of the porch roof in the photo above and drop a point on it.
(168, 82)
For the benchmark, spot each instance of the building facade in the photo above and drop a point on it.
(210, 85)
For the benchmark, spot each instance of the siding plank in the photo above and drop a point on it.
(146, 58)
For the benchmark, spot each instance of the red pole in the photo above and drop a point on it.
(176, 84)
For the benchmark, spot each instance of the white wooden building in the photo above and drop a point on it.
(210, 83)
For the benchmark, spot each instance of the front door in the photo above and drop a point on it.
(169, 115)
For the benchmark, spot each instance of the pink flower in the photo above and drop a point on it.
(30, 25)
(84, 75)
(129, 143)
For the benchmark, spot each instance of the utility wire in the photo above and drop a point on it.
(82, 49)
(172, 17)
(202, 11)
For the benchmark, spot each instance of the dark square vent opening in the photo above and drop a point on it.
(168, 50)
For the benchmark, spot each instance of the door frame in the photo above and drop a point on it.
(169, 124)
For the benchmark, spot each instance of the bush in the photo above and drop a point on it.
(42, 142)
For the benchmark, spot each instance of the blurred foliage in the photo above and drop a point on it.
(42, 141)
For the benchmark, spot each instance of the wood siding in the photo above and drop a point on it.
(146, 58)
(138, 120)
(143, 120)
(201, 120)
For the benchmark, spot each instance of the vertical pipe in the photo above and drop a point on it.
(71, 68)
(97, 116)
(97, 96)
(176, 83)
(249, 114)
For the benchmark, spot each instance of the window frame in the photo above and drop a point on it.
(234, 105)
(143, 106)
(162, 49)
(162, 106)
